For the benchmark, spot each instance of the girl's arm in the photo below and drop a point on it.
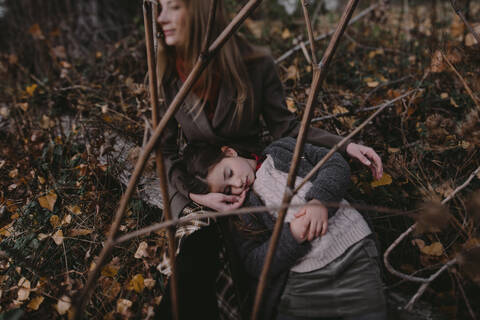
(252, 248)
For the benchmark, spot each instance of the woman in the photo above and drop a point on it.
(238, 89)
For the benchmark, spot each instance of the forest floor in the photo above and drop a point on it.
(57, 199)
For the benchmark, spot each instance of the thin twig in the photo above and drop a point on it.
(459, 12)
(470, 92)
(387, 103)
(308, 24)
(160, 164)
(326, 35)
(319, 74)
(206, 214)
(199, 66)
(467, 302)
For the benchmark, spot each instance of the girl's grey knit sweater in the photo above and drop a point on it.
(329, 184)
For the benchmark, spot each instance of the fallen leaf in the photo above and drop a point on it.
(385, 180)
(123, 305)
(36, 32)
(48, 201)
(444, 95)
(136, 283)
(470, 39)
(437, 65)
(63, 305)
(110, 271)
(453, 103)
(35, 303)
(373, 84)
(74, 209)
(286, 34)
(141, 250)
(435, 249)
(59, 52)
(24, 289)
(149, 283)
(42, 236)
(291, 104)
(58, 237)
(79, 232)
(13, 173)
(31, 89)
(293, 73)
(66, 220)
(54, 221)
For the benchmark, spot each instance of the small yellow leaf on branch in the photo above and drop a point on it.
(435, 249)
(385, 180)
(31, 89)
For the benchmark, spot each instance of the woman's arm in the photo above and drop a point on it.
(281, 122)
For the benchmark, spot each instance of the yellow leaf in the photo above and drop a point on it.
(444, 95)
(31, 89)
(35, 303)
(393, 150)
(42, 236)
(470, 39)
(36, 32)
(41, 180)
(385, 180)
(110, 271)
(48, 201)
(286, 34)
(79, 232)
(453, 103)
(373, 84)
(7, 230)
(98, 54)
(14, 216)
(292, 72)
(123, 305)
(63, 304)
(74, 209)
(54, 221)
(141, 250)
(136, 283)
(58, 237)
(435, 249)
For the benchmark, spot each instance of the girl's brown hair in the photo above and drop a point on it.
(228, 67)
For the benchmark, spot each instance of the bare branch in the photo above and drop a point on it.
(308, 24)
(319, 74)
(199, 66)
(361, 15)
(459, 12)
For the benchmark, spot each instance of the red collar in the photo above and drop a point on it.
(259, 160)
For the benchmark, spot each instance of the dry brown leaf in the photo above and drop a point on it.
(48, 201)
(435, 249)
(54, 221)
(438, 64)
(136, 283)
(24, 289)
(58, 237)
(13, 173)
(36, 32)
(286, 34)
(42, 236)
(123, 305)
(141, 250)
(149, 283)
(35, 303)
(74, 209)
(470, 39)
(79, 232)
(63, 305)
(292, 72)
(66, 220)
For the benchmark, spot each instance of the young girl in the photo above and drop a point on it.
(315, 274)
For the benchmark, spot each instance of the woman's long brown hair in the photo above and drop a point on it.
(228, 68)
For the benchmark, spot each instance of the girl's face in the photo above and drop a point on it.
(173, 21)
(232, 175)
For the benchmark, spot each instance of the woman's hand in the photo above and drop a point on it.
(219, 201)
(368, 157)
(316, 216)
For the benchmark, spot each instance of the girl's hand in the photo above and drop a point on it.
(219, 201)
(316, 215)
(299, 227)
(368, 157)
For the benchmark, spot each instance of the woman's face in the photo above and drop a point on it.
(173, 21)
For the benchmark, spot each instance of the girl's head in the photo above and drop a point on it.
(183, 24)
(215, 168)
